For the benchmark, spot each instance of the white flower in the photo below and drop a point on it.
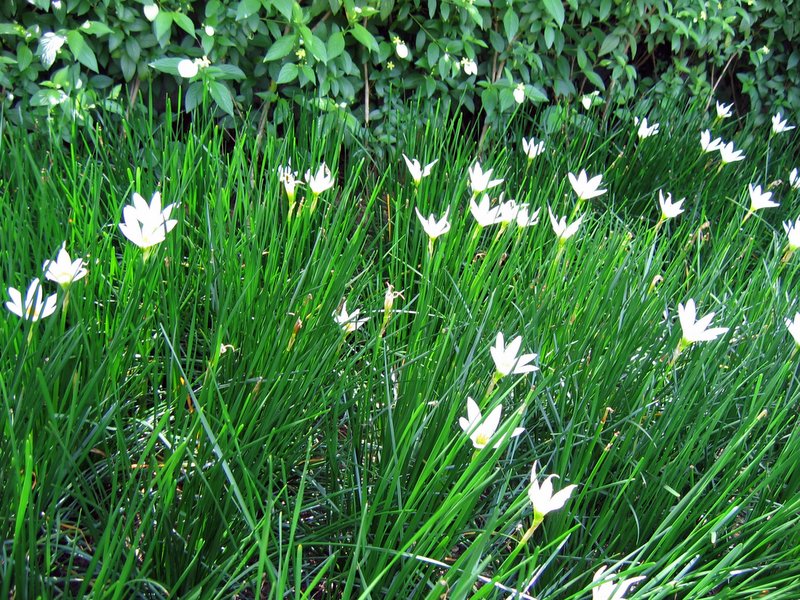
(433, 227)
(49, 45)
(416, 170)
(483, 212)
(793, 231)
(349, 322)
(779, 124)
(694, 330)
(759, 200)
(532, 148)
(669, 209)
(33, 309)
(586, 188)
(608, 590)
(560, 227)
(724, 110)
(525, 218)
(519, 93)
(542, 497)
(589, 100)
(400, 48)
(187, 68)
(794, 327)
(794, 179)
(508, 210)
(289, 180)
(320, 181)
(646, 131)
(480, 181)
(64, 270)
(728, 154)
(506, 360)
(150, 12)
(146, 225)
(482, 432)
(209, 30)
(706, 142)
(470, 66)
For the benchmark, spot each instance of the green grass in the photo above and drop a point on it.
(139, 460)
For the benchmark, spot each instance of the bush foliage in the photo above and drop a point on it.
(363, 60)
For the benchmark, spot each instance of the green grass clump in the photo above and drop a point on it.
(192, 422)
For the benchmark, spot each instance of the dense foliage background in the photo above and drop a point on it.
(363, 60)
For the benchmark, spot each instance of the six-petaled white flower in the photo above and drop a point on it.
(695, 330)
(532, 148)
(480, 430)
(586, 188)
(560, 227)
(779, 124)
(794, 178)
(416, 170)
(188, 68)
(289, 180)
(320, 181)
(480, 180)
(507, 359)
(470, 66)
(150, 12)
(483, 212)
(759, 199)
(525, 218)
(707, 144)
(724, 110)
(542, 497)
(669, 209)
(646, 130)
(610, 590)
(433, 227)
(519, 93)
(729, 154)
(349, 322)
(147, 225)
(793, 232)
(794, 327)
(33, 308)
(64, 270)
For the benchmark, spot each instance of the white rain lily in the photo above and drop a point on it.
(695, 330)
(669, 209)
(433, 227)
(532, 148)
(49, 45)
(793, 232)
(590, 100)
(33, 308)
(482, 430)
(542, 497)
(320, 181)
(418, 171)
(519, 93)
(188, 68)
(64, 270)
(794, 179)
(150, 12)
(508, 210)
(507, 359)
(645, 130)
(724, 110)
(794, 327)
(483, 212)
(728, 154)
(525, 218)
(707, 144)
(147, 225)
(779, 124)
(289, 180)
(481, 181)
(609, 590)
(349, 322)
(560, 227)
(586, 188)
(759, 199)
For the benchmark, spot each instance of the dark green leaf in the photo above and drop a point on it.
(511, 23)
(364, 37)
(556, 10)
(280, 48)
(335, 45)
(162, 25)
(246, 8)
(194, 96)
(221, 95)
(288, 73)
(184, 22)
(81, 50)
